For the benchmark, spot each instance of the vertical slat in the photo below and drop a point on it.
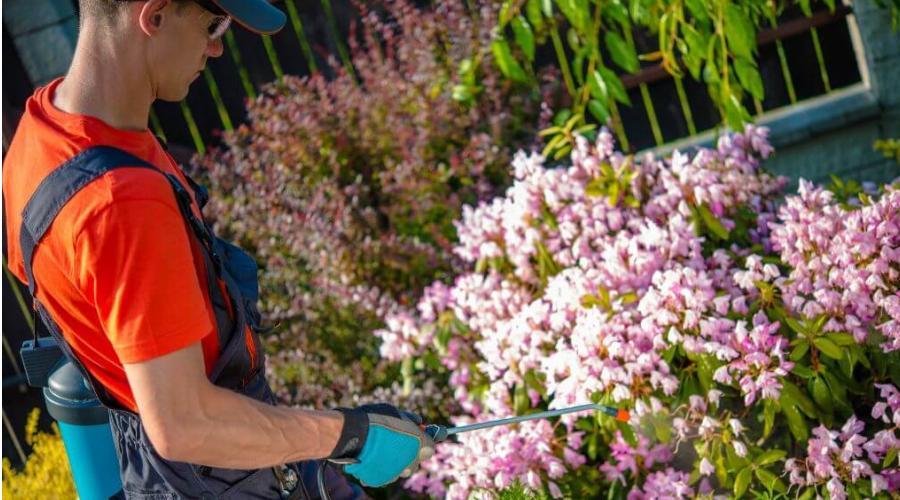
(685, 106)
(192, 127)
(23, 306)
(651, 114)
(157, 125)
(822, 70)
(757, 106)
(273, 57)
(619, 127)
(242, 70)
(336, 35)
(786, 72)
(7, 349)
(301, 36)
(14, 438)
(217, 98)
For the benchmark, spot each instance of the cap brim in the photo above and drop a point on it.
(258, 16)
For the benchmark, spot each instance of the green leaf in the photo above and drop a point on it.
(613, 192)
(841, 339)
(739, 31)
(598, 86)
(713, 223)
(505, 61)
(547, 7)
(524, 36)
(890, 457)
(598, 110)
(791, 395)
(576, 11)
(862, 357)
(595, 188)
(838, 389)
(615, 86)
(622, 54)
(562, 116)
(562, 152)
(822, 395)
(769, 457)
(805, 7)
(617, 12)
(749, 77)
(796, 423)
(802, 371)
(533, 12)
(828, 348)
(698, 9)
(742, 482)
(735, 114)
(799, 350)
(768, 417)
(770, 480)
(520, 399)
(662, 427)
(795, 325)
(809, 494)
(627, 433)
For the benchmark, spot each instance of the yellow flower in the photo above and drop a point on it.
(46, 473)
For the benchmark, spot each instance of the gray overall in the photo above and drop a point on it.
(146, 475)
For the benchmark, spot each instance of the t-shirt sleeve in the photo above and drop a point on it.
(135, 263)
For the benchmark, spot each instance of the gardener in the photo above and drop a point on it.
(157, 312)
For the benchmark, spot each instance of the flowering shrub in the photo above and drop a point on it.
(347, 188)
(46, 473)
(680, 288)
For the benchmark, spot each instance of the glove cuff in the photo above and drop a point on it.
(353, 434)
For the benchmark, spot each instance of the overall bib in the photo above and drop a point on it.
(233, 291)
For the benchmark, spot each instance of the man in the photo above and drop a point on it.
(107, 232)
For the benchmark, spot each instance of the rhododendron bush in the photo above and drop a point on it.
(753, 337)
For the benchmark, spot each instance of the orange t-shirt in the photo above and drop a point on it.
(117, 270)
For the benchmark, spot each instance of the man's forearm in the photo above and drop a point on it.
(229, 430)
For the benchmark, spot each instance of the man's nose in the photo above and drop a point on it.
(215, 48)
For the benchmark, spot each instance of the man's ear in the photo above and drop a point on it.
(152, 14)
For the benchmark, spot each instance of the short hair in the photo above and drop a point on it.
(106, 9)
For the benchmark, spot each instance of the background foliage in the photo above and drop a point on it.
(46, 473)
(346, 188)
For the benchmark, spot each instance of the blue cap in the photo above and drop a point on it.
(258, 16)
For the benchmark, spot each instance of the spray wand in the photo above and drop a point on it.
(440, 433)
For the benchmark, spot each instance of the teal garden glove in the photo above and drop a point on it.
(379, 444)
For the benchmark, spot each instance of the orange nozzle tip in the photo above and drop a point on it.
(623, 416)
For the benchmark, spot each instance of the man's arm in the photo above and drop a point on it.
(188, 419)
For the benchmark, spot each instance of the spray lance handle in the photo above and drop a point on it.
(440, 433)
(437, 433)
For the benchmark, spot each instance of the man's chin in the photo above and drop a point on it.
(174, 95)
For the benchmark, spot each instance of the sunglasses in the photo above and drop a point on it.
(220, 24)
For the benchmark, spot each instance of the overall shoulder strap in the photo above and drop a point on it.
(59, 187)
(62, 184)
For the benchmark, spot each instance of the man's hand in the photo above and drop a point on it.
(380, 444)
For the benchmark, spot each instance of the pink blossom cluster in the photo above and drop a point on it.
(494, 458)
(838, 459)
(631, 461)
(756, 357)
(845, 263)
(644, 267)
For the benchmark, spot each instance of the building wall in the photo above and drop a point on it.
(838, 139)
(44, 33)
